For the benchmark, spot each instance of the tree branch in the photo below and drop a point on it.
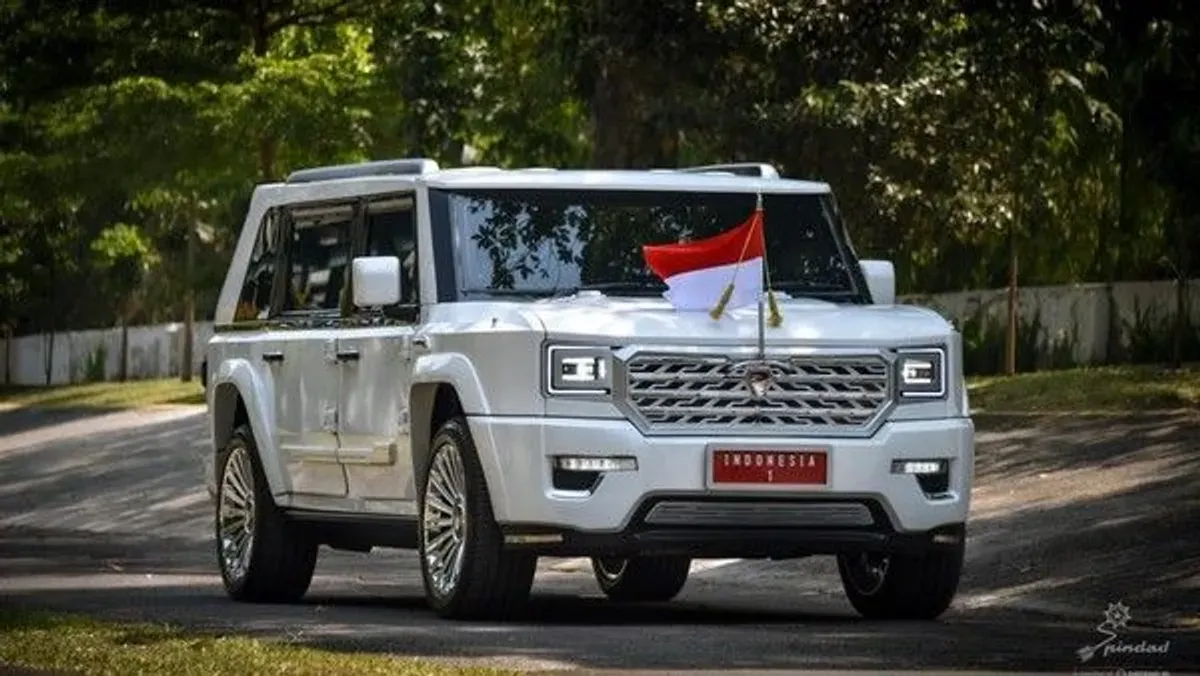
(338, 10)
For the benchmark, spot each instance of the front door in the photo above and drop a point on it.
(373, 415)
(376, 378)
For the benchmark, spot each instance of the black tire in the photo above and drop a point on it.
(912, 587)
(493, 583)
(282, 556)
(642, 578)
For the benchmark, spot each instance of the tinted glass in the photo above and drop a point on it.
(255, 300)
(556, 241)
(394, 234)
(320, 263)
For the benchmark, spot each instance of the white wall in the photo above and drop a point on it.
(155, 351)
(1083, 308)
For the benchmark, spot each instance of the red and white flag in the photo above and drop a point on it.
(698, 273)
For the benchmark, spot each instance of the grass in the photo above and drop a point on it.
(131, 394)
(1101, 389)
(72, 644)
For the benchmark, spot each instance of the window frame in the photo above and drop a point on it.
(284, 223)
(283, 272)
(405, 313)
(272, 218)
(441, 216)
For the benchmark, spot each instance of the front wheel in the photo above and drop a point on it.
(902, 586)
(642, 578)
(466, 570)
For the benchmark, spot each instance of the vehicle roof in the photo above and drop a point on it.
(616, 179)
(313, 184)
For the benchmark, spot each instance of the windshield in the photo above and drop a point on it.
(554, 242)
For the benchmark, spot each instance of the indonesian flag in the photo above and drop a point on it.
(698, 273)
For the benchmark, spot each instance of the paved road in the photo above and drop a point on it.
(107, 515)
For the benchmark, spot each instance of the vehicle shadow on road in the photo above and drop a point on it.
(1077, 514)
(14, 421)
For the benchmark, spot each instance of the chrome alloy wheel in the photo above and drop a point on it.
(867, 572)
(444, 519)
(611, 569)
(235, 516)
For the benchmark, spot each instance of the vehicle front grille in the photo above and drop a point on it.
(760, 514)
(814, 393)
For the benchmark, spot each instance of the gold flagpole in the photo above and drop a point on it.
(727, 294)
(776, 317)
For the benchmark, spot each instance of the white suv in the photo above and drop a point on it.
(476, 363)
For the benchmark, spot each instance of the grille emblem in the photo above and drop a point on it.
(758, 378)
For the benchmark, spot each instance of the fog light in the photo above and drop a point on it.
(918, 467)
(595, 464)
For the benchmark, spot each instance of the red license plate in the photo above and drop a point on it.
(770, 467)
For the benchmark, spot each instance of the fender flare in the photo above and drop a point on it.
(236, 379)
(455, 370)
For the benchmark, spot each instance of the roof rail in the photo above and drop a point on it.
(755, 169)
(403, 167)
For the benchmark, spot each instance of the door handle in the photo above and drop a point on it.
(347, 355)
(272, 356)
(421, 342)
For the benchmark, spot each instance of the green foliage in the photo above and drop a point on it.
(950, 131)
(94, 367)
(1149, 336)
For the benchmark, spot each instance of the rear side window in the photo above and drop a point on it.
(319, 261)
(255, 299)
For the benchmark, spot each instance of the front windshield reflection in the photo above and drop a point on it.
(552, 242)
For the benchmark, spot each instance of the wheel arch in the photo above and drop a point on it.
(432, 403)
(238, 399)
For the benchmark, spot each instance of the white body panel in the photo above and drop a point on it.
(518, 450)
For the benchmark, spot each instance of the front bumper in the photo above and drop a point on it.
(864, 504)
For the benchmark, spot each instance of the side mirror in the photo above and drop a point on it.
(881, 281)
(376, 281)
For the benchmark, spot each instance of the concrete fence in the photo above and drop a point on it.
(1077, 317)
(81, 356)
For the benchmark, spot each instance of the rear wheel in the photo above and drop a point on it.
(466, 570)
(642, 578)
(902, 586)
(262, 556)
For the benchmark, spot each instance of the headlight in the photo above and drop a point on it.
(921, 374)
(578, 370)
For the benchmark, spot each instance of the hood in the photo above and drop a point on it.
(598, 318)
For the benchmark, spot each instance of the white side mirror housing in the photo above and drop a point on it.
(376, 281)
(881, 281)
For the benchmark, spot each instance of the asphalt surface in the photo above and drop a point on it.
(108, 515)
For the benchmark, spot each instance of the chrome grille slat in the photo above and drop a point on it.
(760, 514)
(705, 393)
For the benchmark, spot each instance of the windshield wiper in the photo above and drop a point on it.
(649, 288)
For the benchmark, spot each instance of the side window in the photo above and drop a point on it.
(319, 259)
(255, 300)
(392, 231)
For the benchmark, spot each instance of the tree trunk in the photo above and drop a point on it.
(49, 358)
(123, 374)
(8, 341)
(267, 145)
(1010, 357)
(189, 302)
(1182, 314)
